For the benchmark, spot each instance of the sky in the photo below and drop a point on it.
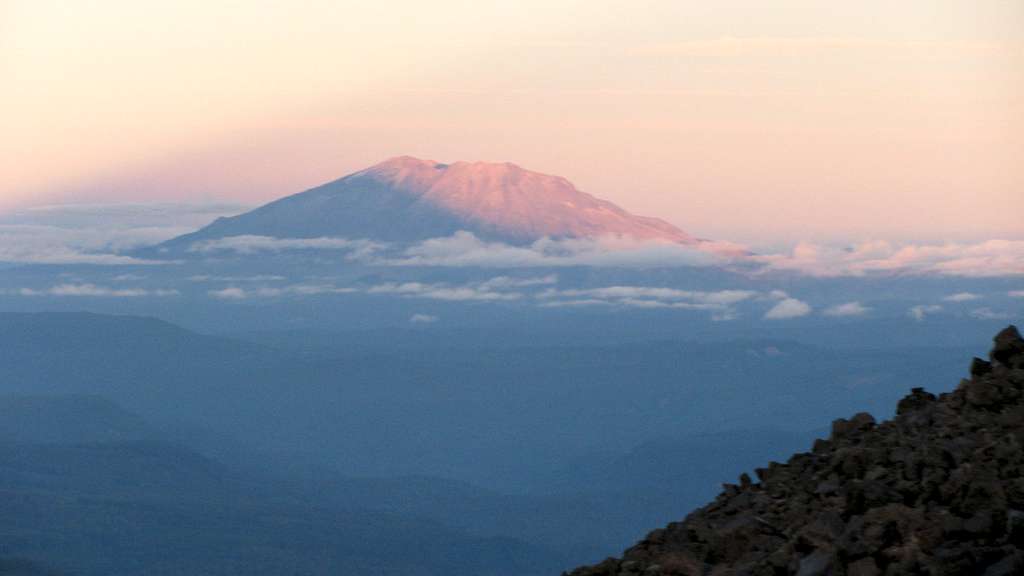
(749, 121)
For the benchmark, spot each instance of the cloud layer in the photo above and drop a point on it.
(464, 249)
(97, 234)
(992, 258)
(984, 259)
(101, 234)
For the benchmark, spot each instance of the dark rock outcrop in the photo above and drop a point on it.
(937, 490)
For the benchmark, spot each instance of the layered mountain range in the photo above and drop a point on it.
(937, 490)
(407, 199)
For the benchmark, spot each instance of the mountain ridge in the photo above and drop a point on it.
(937, 490)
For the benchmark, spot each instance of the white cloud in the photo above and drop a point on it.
(788, 308)
(576, 303)
(237, 293)
(719, 303)
(984, 259)
(920, 311)
(252, 244)
(989, 314)
(847, 309)
(256, 278)
(422, 319)
(1015, 293)
(961, 297)
(92, 290)
(504, 282)
(465, 249)
(97, 234)
(667, 295)
(229, 293)
(49, 245)
(443, 292)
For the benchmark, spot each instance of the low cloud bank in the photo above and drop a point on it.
(463, 249)
(101, 234)
(97, 234)
(983, 259)
(32, 244)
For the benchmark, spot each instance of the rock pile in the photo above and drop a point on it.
(937, 490)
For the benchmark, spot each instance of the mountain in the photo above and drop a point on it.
(407, 199)
(162, 508)
(60, 419)
(939, 489)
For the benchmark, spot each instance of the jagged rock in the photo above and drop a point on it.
(980, 367)
(1009, 348)
(938, 490)
(917, 399)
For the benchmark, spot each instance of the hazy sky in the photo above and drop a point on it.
(745, 120)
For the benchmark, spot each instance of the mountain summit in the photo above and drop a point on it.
(407, 199)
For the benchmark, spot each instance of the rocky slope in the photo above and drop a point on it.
(937, 490)
(407, 199)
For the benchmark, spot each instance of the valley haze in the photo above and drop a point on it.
(496, 289)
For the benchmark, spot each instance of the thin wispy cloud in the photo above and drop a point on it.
(465, 293)
(229, 293)
(422, 319)
(1015, 293)
(922, 311)
(847, 309)
(504, 282)
(962, 297)
(253, 278)
(93, 290)
(788, 308)
(238, 293)
(989, 314)
(720, 303)
(252, 244)
(641, 293)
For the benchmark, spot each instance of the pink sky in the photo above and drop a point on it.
(738, 120)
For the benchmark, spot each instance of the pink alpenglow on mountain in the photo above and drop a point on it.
(408, 200)
(517, 202)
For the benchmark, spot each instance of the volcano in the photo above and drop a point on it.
(407, 199)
